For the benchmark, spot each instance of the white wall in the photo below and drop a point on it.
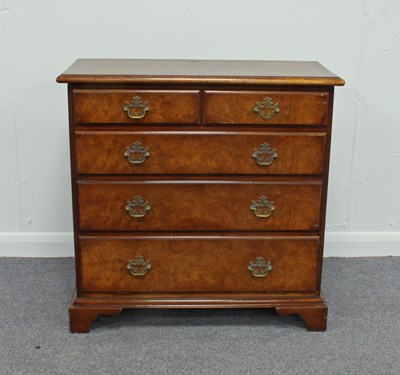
(358, 40)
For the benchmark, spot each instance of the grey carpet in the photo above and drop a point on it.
(363, 335)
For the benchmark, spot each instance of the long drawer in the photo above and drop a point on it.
(266, 107)
(199, 264)
(198, 205)
(176, 152)
(136, 106)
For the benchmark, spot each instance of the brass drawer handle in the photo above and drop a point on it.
(139, 267)
(271, 109)
(262, 208)
(136, 108)
(137, 207)
(136, 154)
(264, 155)
(260, 267)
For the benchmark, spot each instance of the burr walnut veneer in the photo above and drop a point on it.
(199, 184)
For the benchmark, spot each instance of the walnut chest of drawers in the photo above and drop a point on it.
(199, 184)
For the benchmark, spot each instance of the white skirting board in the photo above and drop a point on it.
(349, 244)
(40, 244)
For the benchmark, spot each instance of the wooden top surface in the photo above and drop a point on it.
(229, 72)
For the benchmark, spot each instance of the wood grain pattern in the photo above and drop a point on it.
(200, 180)
(237, 107)
(102, 152)
(106, 106)
(225, 72)
(198, 205)
(199, 264)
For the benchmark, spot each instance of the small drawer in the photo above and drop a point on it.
(136, 106)
(199, 264)
(152, 152)
(198, 205)
(266, 107)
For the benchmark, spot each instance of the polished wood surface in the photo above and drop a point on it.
(315, 316)
(80, 318)
(225, 72)
(199, 152)
(198, 205)
(309, 306)
(106, 106)
(237, 107)
(200, 178)
(199, 264)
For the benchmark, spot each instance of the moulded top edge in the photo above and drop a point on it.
(228, 72)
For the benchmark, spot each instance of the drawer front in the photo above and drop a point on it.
(199, 264)
(118, 106)
(290, 108)
(198, 205)
(142, 152)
